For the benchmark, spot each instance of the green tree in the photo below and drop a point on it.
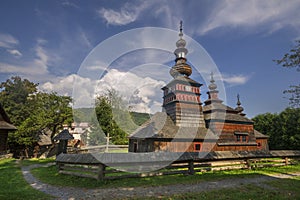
(14, 98)
(104, 112)
(96, 135)
(32, 111)
(283, 128)
(292, 60)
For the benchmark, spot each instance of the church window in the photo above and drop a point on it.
(188, 88)
(259, 145)
(238, 138)
(244, 138)
(197, 147)
(241, 136)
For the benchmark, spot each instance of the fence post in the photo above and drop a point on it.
(286, 160)
(248, 163)
(191, 167)
(101, 173)
(59, 166)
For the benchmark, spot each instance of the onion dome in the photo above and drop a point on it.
(181, 51)
(181, 68)
(212, 86)
(239, 108)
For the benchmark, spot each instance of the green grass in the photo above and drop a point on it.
(36, 161)
(50, 175)
(13, 185)
(279, 191)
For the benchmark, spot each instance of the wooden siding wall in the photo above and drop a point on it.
(3, 140)
(264, 144)
(231, 127)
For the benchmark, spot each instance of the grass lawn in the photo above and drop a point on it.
(50, 175)
(279, 190)
(13, 185)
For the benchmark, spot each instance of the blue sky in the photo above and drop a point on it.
(47, 42)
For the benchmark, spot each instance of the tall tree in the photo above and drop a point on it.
(292, 60)
(105, 116)
(32, 111)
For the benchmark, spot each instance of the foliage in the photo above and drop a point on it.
(13, 185)
(104, 112)
(139, 118)
(292, 60)
(283, 128)
(32, 111)
(14, 98)
(96, 134)
(82, 114)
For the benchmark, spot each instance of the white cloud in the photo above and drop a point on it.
(36, 67)
(127, 14)
(267, 15)
(69, 4)
(14, 52)
(141, 94)
(234, 79)
(7, 41)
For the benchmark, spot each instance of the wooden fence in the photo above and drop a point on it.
(100, 168)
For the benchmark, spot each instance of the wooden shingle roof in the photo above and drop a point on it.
(162, 126)
(5, 123)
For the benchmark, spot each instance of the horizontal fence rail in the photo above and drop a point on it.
(99, 167)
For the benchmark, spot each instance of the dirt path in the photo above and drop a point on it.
(70, 193)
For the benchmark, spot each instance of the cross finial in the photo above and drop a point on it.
(212, 77)
(181, 26)
(238, 100)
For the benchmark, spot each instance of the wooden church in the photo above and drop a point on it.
(186, 125)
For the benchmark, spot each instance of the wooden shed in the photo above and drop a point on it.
(5, 127)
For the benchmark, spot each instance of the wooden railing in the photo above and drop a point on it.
(88, 165)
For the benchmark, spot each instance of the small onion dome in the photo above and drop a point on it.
(212, 85)
(239, 108)
(180, 43)
(181, 69)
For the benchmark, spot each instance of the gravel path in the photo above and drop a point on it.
(70, 193)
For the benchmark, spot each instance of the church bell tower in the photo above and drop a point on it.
(181, 96)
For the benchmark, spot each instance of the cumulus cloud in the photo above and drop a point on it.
(140, 94)
(270, 15)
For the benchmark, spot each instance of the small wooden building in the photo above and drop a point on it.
(5, 127)
(187, 126)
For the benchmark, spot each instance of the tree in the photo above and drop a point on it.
(283, 128)
(96, 135)
(292, 60)
(14, 98)
(104, 112)
(32, 111)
